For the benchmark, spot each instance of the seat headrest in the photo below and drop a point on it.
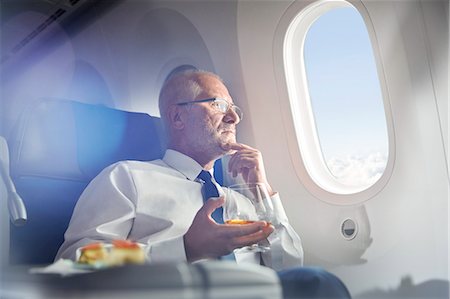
(70, 140)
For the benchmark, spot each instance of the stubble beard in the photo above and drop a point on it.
(218, 142)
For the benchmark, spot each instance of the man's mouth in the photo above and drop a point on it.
(229, 132)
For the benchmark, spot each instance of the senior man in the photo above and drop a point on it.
(174, 206)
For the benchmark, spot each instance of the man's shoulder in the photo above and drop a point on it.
(139, 169)
(133, 165)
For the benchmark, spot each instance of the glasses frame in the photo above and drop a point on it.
(240, 114)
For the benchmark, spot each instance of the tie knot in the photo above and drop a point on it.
(205, 176)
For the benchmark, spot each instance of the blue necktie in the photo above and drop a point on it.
(210, 190)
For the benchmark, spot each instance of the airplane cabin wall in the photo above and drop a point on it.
(121, 59)
(436, 30)
(403, 228)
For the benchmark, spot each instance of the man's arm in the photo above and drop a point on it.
(286, 249)
(104, 212)
(107, 210)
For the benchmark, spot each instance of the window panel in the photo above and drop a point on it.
(337, 100)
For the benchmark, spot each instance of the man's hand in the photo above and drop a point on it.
(207, 239)
(248, 162)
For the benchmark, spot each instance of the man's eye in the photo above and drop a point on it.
(223, 107)
(217, 105)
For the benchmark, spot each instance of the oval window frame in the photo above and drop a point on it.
(303, 142)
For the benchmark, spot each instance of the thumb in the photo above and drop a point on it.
(213, 203)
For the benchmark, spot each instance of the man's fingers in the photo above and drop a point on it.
(253, 238)
(239, 230)
(249, 240)
(243, 159)
(212, 204)
(237, 146)
(246, 161)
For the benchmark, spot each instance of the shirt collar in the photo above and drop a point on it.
(184, 164)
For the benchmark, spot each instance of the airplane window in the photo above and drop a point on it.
(342, 100)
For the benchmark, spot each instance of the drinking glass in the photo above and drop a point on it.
(247, 203)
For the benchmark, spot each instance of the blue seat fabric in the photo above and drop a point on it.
(59, 146)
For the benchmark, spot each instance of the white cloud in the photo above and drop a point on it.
(357, 170)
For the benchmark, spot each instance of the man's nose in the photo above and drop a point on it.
(231, 117)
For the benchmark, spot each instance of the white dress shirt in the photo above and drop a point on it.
(154, 203)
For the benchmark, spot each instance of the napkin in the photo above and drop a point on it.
(62, 267)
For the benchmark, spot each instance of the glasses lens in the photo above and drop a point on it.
(238, 112)
(221, 105)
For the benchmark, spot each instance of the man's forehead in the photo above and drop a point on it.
(213, 87)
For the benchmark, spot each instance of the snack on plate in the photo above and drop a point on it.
(120, 252)
(126, 252)
(92, 253)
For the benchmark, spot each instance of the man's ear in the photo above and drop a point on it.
(176, 116)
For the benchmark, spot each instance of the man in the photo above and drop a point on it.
(160, 203)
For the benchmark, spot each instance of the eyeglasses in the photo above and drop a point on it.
(219, 104)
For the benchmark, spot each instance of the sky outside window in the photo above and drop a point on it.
(346, 97)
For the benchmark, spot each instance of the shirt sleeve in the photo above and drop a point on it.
(106, 211)
(285, 244)
(170, 250)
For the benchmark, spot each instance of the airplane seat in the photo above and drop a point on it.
(57, 148)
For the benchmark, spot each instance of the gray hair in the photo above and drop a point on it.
(181, 86)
